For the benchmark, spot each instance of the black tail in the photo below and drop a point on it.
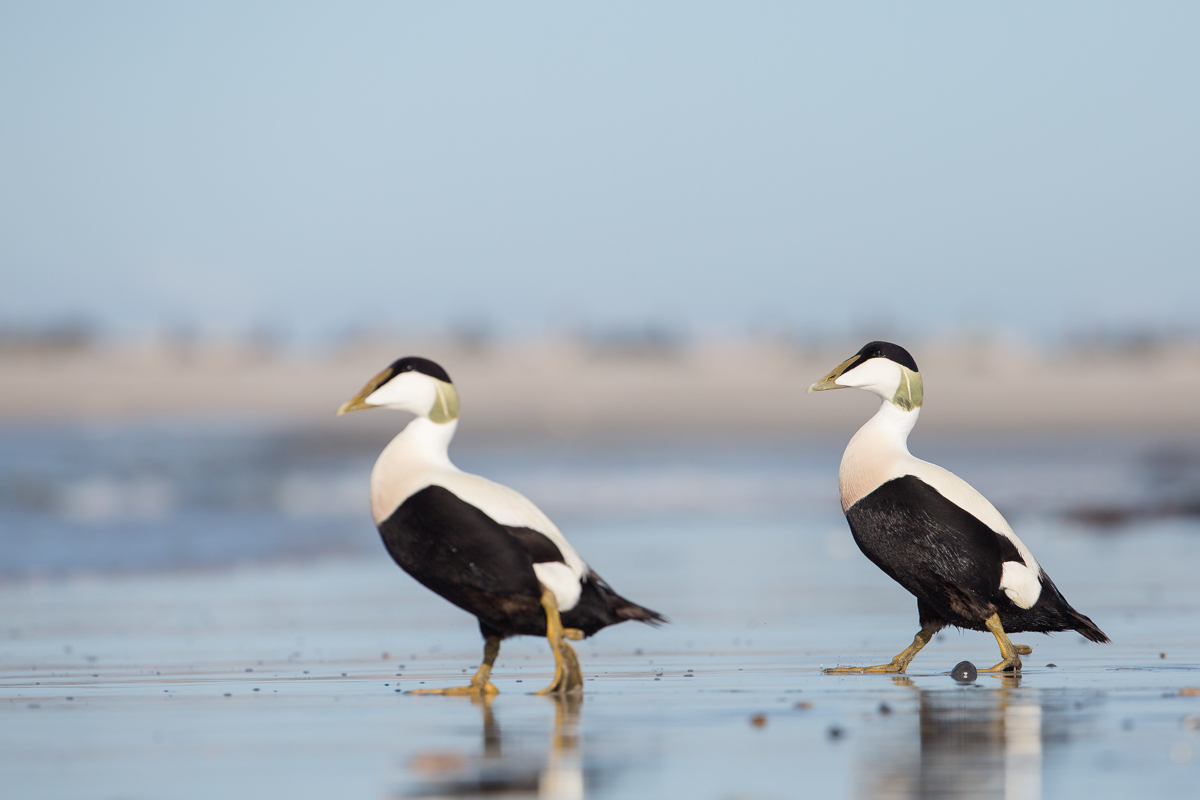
(599, 606)
(1087, 628)
(1067, 617)
(624, 609)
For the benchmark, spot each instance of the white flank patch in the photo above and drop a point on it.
(562, 580)
(1021, 584)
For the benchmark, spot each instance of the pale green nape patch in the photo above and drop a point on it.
(911, 392)
(445, 408)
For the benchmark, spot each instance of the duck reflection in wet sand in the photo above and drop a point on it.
(972, 744)
(516, 775)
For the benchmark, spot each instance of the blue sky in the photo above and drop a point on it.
(823, 168)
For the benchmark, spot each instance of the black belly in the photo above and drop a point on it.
(459, 552)
(940, 553)
(952, 562)
(486, 568)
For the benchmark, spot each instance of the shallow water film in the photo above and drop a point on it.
(210, 613)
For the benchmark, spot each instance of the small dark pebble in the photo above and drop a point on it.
(1051, 665)
(964, 672)
(227, 694)
(256, 688)
(759, 720)
(803, 705)
(688, 675)
(885, 709)
(1127, 724)
(1162, 655)
(835, 732)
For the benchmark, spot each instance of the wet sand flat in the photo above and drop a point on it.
(288, 680)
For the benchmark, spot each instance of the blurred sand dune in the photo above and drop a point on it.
(572, 389)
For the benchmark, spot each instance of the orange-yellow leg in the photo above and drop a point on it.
(480, 684)
(897, 664)
(1009, 653)
(568, 677)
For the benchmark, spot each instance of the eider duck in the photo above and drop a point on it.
(482, 546)
(933, 533)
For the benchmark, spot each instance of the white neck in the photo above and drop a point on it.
(890, 426)
(405, 464)
(877, 453)
(426, 440)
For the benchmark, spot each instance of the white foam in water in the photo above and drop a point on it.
(102, 499)
(302, 495)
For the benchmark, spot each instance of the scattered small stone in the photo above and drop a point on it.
(1126, 724)
(964, 672)
(637, 652)
(688, 675)
(386, 657)
(835, 732)
(1180, 752)
(1162, 655)
(35, 705)
(249, 670)
(256, 688)
(759, 720)
(227, 694)
(343, 674)
(803, 705)
(885, 709)
(1189, 691)
(72, 698)
(518, 680)
(1051, 665)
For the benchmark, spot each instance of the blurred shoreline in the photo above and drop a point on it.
(644, 388)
